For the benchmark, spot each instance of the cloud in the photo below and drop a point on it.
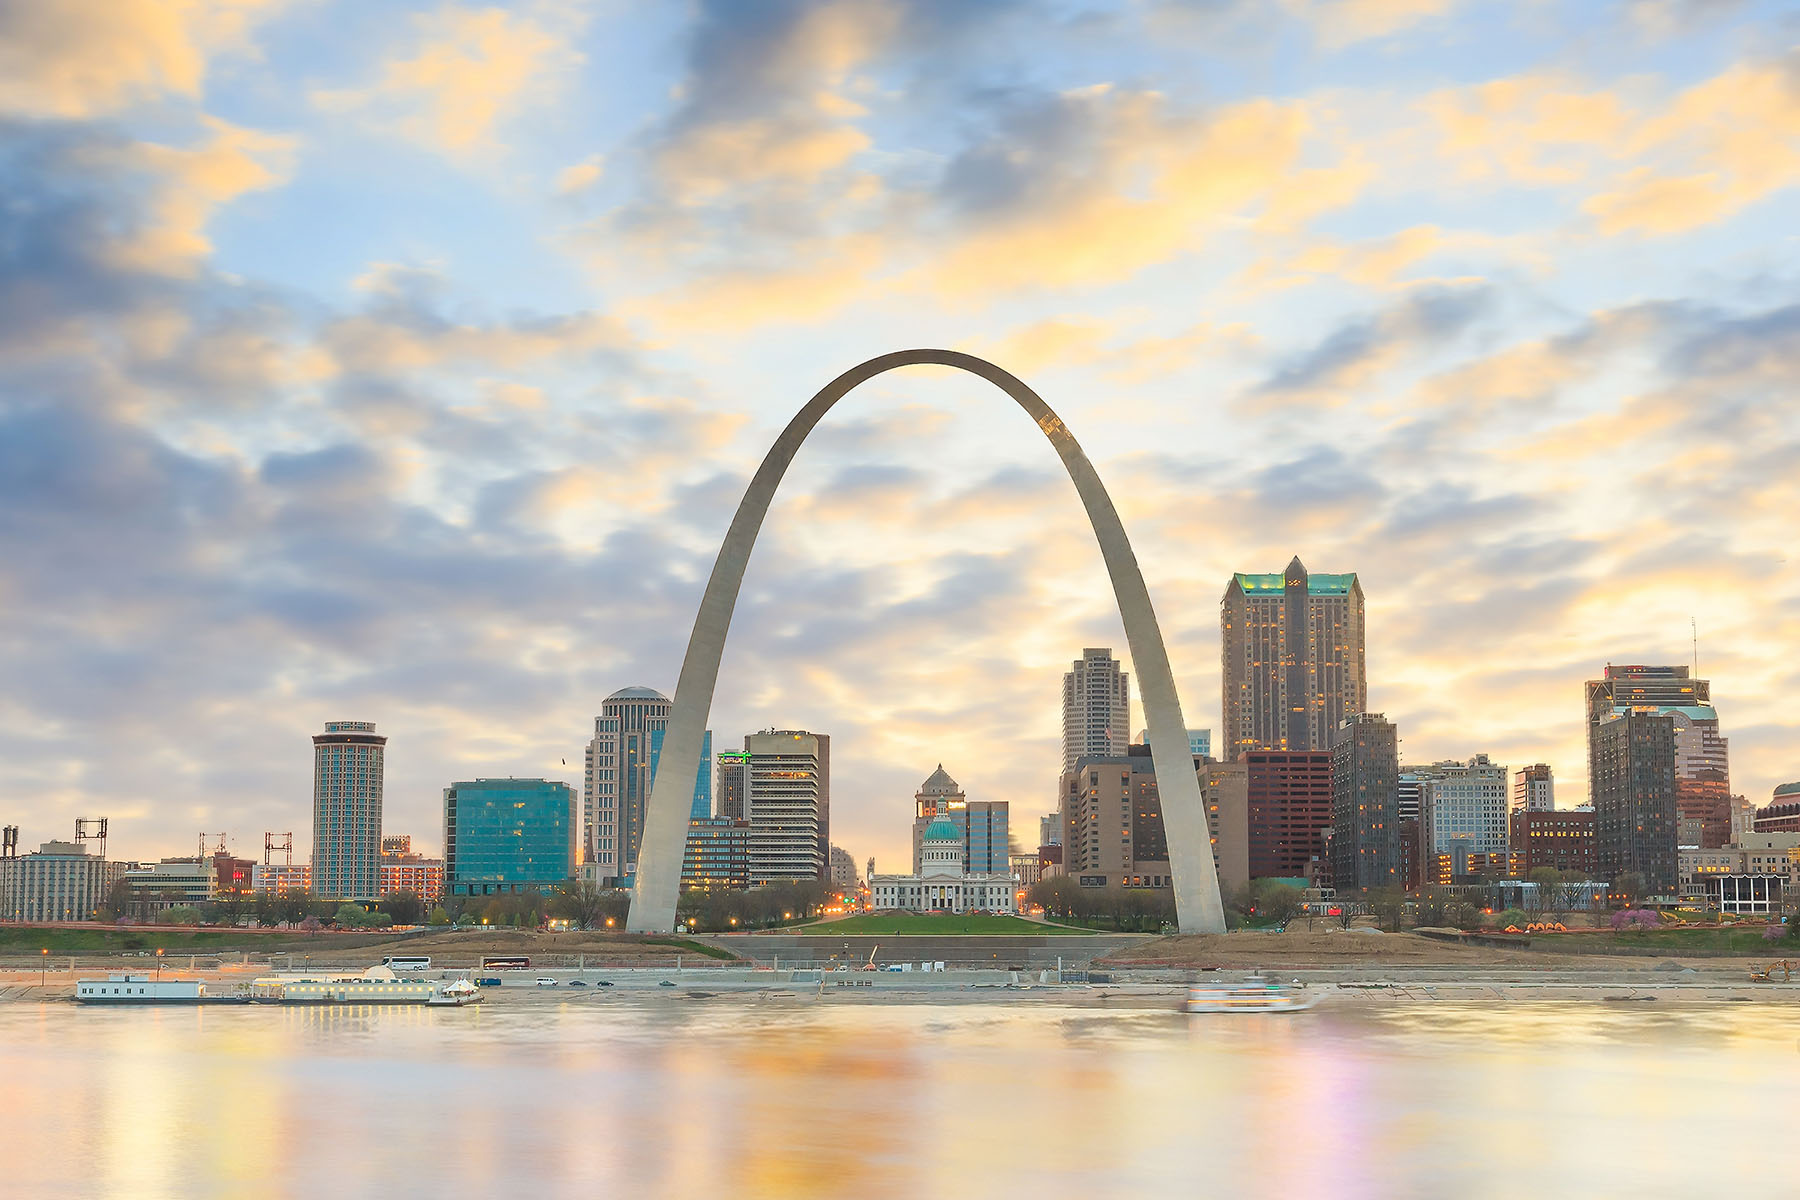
(1356, 351)
(78, 58)
(467, 72)
(1340, 23)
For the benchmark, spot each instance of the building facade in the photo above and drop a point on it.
(415, 873)
(1782, 813)
(943, 884)
(717, 855)
(1702, 772)
(1113, 827)
(510, 835)
(732, 764)
(1365, 829)
(1632, 770)
(1225, 790)
(1096, 708)
(1289, 802)
(348, 769)
(172, 883)
(61, 881)
(1534, 789)
(843, 870)
(618, 770)
(1561, 838)
(1464, 802)
(1293, 662)
(266, 878)
(786, 790)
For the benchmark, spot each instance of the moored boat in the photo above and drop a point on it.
(142, 989)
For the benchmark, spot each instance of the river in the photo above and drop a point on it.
(615, 1096)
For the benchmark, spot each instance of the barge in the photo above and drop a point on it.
(142, 989)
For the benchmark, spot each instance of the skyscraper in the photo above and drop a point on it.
(785, 789)
(348, 766)
(1365, 830)
(1631, 780)
(1534, 789)
(1653, 741)
(1096, 708)
(1293, 666)
(619, 770)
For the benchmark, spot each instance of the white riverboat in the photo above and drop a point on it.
(1255, 996)
(377, 985)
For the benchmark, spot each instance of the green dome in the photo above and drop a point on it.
(941, 830)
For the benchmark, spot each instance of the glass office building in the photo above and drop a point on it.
(509, 835)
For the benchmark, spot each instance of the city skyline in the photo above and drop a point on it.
(260, 460)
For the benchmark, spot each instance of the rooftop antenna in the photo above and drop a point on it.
(1696, 628)
(91, 829)
(270, 845)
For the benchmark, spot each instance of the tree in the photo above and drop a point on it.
(405, 908)
(118, 901)
(1389, 906)
(1634, 887)
(588, 904)
(351, 916)
(438, 916)
(1549, 887)
(182, 914)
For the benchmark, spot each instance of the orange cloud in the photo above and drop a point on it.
(76, 58)
(470, 71)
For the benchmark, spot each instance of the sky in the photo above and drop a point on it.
(405, 362)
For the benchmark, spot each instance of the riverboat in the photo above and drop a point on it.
(378, 985)
(1248, 997)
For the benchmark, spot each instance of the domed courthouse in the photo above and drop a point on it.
(943, 883)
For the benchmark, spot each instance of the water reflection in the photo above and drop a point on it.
(673, 1098)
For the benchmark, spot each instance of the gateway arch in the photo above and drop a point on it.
(658, 884)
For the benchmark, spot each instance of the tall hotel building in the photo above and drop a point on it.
(619, 769)
(1293, 667)
(347, 777)
(1096, 708)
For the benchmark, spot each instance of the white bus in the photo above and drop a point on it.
(407, 962)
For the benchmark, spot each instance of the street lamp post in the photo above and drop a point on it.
(44, 973)
(159, 954)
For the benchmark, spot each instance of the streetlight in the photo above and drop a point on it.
(159, 954)
(44, 974)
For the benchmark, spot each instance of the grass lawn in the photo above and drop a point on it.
(1747, 941)
(941, 924)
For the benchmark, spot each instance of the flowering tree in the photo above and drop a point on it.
(1635, 918)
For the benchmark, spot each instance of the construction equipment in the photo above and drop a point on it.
(1781, 967)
